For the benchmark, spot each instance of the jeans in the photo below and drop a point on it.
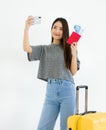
(60, 99)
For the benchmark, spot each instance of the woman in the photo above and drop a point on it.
(58, 64)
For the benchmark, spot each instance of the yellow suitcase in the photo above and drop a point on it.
(89, 120)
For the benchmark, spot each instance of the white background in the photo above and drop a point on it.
(21, 93)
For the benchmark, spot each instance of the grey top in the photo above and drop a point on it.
(52, 64)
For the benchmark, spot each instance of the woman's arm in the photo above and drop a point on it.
(73, 67)
(26, 45)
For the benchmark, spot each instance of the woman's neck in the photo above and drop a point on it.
(56, 41)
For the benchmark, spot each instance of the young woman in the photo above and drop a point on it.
(58, 64)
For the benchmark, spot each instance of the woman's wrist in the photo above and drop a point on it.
(26, 27)
(74, 55)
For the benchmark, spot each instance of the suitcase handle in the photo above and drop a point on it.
(86, 100)
(77, 98)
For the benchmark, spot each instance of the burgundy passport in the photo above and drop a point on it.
(74, 37)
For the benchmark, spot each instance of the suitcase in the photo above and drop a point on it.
(89, 120)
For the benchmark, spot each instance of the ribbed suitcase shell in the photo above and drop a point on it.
(91, 120)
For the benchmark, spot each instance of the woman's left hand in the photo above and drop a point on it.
(74, 48)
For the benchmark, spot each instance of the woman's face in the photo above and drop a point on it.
(57, 31)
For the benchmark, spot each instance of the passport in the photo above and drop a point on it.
(74, 37)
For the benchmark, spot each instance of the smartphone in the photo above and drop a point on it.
(36, 20)
(74, 37)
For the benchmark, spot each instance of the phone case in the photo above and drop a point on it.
(74, 37)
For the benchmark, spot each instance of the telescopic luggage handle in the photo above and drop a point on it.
(86, 100)
(77, 98)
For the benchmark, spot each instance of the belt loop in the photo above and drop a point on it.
(49, 81)
(61, 82)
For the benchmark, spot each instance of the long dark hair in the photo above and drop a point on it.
(65, 46)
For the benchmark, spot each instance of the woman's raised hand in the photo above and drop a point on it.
(74, 48)
(29, 22)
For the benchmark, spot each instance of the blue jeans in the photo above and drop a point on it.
(60, 99)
